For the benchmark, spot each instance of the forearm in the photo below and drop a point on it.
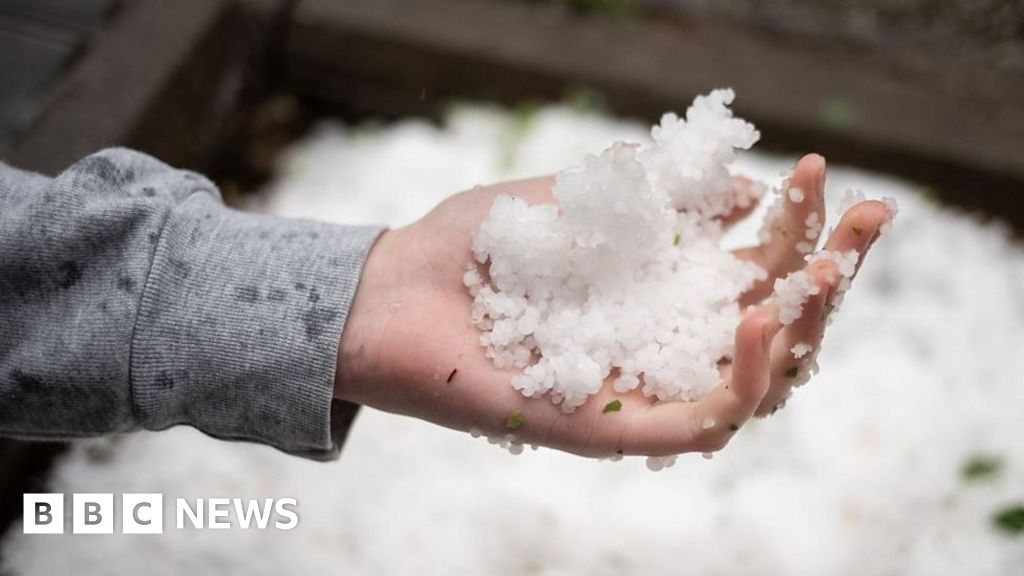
(133, 298)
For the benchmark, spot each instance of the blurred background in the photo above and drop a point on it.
(905, 456)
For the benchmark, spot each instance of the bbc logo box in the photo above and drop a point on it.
(93, 513)
(43, 513)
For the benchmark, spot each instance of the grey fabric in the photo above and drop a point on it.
(130, 297)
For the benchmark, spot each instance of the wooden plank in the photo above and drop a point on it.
(854, 104)
(30, 60)
(81, 14)
(781, 80)
(164, 78)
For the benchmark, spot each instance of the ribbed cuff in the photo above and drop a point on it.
(239, 327)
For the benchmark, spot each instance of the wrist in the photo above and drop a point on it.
(359, 349)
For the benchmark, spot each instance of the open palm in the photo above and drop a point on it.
(410, 348)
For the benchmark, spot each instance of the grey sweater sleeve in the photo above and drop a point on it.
(130, 297)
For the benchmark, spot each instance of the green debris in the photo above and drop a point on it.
(827, 311)
(515, 420)
(791, 372)
(585, 100)
(609, 8)
(614, 7)
(835, 113)
(520, 122)
(677, 240)
(1010, 520)
(930, 194)
(521, 117)
(981, 468)
(858, 231)
(613, 406)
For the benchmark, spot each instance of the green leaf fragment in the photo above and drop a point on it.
(515, 420)
(677, 240)
(828, 310)
(586, 100)
(522, 117)
(791, 372)
(613, 406)
(981, 468)
(836, 113)
(1010, 520)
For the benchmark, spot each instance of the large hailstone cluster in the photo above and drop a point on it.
(627, 278)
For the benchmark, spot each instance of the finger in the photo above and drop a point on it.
(708, 424)
(787, 370)
(793, 231)
(747, 194)
(857, 230)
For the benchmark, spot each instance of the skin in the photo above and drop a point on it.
(409, 347)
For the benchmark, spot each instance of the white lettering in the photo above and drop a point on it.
(185, 510)
(218, 508)
(292, 515)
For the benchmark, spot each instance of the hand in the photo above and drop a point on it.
(409, 347)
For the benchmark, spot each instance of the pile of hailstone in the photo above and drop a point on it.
(627, 278)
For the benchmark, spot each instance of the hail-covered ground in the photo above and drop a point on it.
(905, 455)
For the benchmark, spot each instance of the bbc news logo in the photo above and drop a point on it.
(144, 513)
